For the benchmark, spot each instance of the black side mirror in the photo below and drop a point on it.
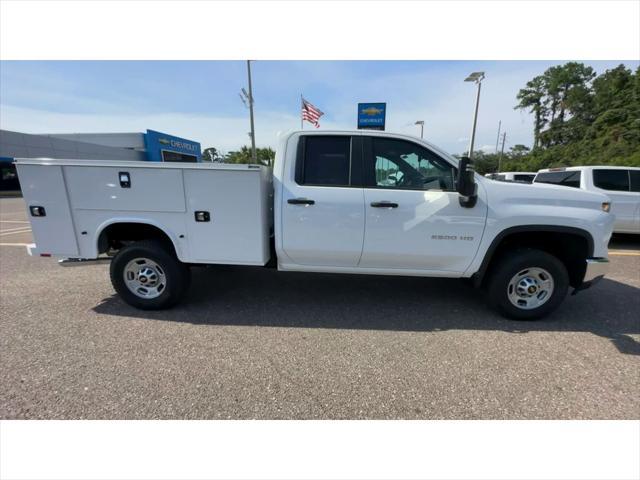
(466, 183)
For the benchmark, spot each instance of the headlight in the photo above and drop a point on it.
(606, 206)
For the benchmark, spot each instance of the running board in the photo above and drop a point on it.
(80, 262)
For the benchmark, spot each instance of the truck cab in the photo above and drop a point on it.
(620, 184)
(362, 203)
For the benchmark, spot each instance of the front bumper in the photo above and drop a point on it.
(596, 269)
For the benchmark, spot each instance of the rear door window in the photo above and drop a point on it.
(564, 178)
(326, 161)
(613, 180)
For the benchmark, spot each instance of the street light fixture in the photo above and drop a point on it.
(476, 77)
(421, 123)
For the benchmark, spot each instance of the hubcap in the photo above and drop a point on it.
(530, 288)
(144, 278)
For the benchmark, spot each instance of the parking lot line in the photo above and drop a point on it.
(13, 229)
(14, 244)
(14, 221)
(625, 253)
(14, 232)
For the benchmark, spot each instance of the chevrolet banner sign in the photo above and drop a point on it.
(372, 116)
(160, 146)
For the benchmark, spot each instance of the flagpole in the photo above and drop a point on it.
(254, 157)
(301, 107)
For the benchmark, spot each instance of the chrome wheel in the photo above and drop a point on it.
(144, 278)
(530, 288)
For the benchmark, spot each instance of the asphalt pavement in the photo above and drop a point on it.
(257, 343)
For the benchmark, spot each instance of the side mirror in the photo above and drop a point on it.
(467, 188)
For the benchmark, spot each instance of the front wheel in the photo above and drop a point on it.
(527, 284)
(147, 275)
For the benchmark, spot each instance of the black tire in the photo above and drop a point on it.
(176, 275)
(515, 262)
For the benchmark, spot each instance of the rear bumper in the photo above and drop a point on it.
(597, 268)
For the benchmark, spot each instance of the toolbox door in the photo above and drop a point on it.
(44, 186)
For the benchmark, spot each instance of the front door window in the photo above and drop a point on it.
(404, 165)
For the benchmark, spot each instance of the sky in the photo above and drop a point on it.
(199, 100)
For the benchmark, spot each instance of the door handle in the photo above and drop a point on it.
(301, 201)
(384, 205)
(125, 179)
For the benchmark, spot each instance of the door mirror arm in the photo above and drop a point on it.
(466, 184)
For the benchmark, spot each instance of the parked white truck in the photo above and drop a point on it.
(342, 202)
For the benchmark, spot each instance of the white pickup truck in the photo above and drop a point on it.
(339, 202)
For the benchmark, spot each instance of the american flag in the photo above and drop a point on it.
(311, 113)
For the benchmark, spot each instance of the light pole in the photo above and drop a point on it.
(421, 123)
(254, 157)
(476, 77)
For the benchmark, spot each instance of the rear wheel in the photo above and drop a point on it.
(147, 275)
(527, 284)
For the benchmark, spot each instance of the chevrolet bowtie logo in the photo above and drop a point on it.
(371, 111)
(163, 141)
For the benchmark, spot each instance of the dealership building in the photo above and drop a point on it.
(151, 146)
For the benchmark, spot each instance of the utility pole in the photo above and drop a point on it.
(504, 138)
(421, 123)
(254, 157)
(498, 137)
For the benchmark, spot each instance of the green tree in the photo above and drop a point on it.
(518, 150)
(532, 97)
(265, 155)
(581, 118)
(211, 154)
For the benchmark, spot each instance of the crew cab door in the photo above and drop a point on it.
(413, 218)
(322, 202)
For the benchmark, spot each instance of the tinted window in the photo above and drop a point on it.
(404, 165)
(326, 160)
(617, 180)
(8, 177)
(523, 178)
(567, 179)
(634, 176)
(177, 157)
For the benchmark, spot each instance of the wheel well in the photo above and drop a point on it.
(572, 248)
(117, 235)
